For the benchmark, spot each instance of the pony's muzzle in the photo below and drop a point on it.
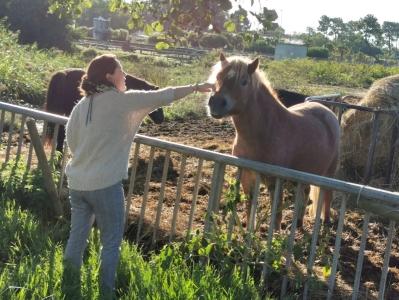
(217, 106)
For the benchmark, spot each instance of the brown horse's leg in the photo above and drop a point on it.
(327, 204)
(302, 204)
(247, 180)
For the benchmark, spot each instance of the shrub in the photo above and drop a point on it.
(318, 52)
(235, 41)
(82, 32)
(213, 41)
(119, 34)
(192, 39)
(89, 53)
(261, 46)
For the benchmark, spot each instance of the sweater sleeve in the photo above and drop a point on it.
(149, 100)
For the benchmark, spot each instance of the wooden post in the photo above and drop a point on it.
(49, 184)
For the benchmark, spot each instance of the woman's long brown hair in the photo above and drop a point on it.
(96, 74)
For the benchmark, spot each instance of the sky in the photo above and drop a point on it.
(297, 15)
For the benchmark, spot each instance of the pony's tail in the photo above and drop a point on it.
(314, 196)
(55, 92)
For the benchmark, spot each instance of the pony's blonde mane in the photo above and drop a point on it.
(239, 65)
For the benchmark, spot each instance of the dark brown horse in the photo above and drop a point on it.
(304, 137)
(63, 93)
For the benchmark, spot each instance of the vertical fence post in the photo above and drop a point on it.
(216, 190)
(195, 195)
(360, 257)
(10, 130)
(370, 156)
(178, 196)
(21, 136)
(337, 247)
(393, 145)
(131, 182)
(145, 193)
(43, 164)
(161, 196)
(313, 245)
(384, 272)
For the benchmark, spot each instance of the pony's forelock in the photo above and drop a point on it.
(239, 64)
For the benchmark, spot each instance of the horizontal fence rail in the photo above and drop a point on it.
(174, 190)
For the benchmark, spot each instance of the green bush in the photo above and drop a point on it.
(82, 32)
(235, 41)
(193, 39)
(89, 53)
(119, 34)
(213, 41)
(261, 46)
(318, 52)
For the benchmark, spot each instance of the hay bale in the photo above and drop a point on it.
(357, 129)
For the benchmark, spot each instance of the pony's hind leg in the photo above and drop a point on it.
(305, 191)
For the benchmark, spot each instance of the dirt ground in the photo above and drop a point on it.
(218, 136)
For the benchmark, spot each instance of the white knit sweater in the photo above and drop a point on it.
(100, 145)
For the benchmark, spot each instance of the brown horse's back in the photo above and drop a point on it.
(63, 91)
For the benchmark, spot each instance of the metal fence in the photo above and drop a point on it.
(174, 190)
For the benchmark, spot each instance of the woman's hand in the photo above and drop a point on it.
(204, 87)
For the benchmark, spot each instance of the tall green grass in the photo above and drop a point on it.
(31, 267)
(31, 256)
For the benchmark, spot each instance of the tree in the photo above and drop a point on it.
(266, 18)
(35, 24)
(172, 18)
(314, 39)
(240, 19)
(370, 29)
(390, 31)
(119, 19)
(332, 26)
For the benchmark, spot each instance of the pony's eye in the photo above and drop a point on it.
(244, 82)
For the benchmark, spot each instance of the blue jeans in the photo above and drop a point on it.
(107, 207)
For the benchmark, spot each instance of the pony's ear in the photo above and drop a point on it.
(222, 57)
(223, 60)
(253, 66)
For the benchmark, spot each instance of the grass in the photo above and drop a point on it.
(32, 245)
(31, 266)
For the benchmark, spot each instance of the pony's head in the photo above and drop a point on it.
(237, 80)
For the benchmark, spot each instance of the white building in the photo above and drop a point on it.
(101, 28)
(290, 49)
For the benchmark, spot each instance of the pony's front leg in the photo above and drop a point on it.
(248, 181)
(271, 188)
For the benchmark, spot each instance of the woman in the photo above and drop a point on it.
(99, 134)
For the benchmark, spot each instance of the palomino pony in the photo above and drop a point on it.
(304, 137)
(63, 93)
